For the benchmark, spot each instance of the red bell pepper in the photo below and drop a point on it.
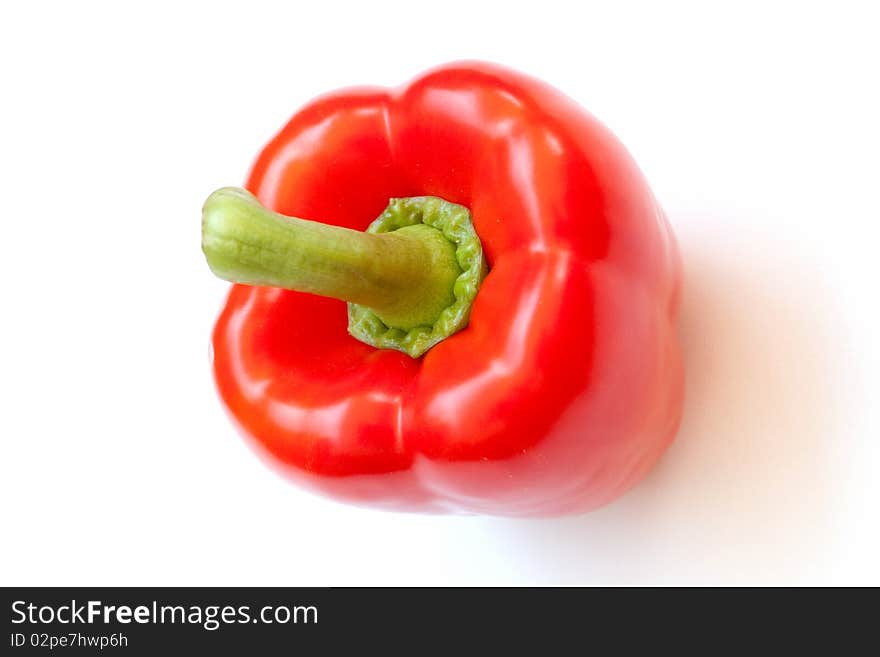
(554, 392)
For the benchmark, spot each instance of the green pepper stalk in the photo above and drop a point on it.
(410, 279)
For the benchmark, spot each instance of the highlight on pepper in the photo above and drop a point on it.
(457, 296)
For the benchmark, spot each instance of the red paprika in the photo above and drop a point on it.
(550, 386)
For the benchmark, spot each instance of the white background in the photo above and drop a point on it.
(757, 127)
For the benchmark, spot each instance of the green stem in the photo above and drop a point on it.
(406, 277)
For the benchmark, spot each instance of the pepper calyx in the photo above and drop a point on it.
(453, 221)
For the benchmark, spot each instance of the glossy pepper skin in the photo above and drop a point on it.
(566, 386)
